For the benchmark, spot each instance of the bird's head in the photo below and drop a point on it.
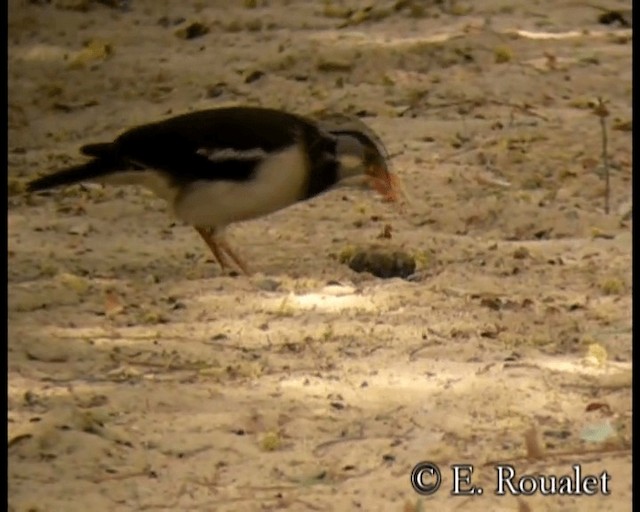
(362, 158)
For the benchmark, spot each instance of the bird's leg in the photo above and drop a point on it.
(219, 247)
(209, 238)
(222, 243)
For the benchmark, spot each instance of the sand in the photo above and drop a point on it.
(142, 378)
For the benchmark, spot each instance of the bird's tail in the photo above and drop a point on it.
(104, 162)
(101, 150)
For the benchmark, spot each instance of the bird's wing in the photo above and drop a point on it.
(221, 144)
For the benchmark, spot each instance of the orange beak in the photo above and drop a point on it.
(387, 184)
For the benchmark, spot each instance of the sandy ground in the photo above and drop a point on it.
(140, 378)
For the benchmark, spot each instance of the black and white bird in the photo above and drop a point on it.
(220, 166)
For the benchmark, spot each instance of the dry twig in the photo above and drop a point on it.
(602, 112)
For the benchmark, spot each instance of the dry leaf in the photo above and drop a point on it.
(413, 506)
(598, 432)
(532, 444)
(112, 304)
(94, 51)
(77, 283)
(485, 179)
(386, 232)
(552, 61)
(600, 109)
(596, 355)
(523, 506)
(623, 126)
(595, 406)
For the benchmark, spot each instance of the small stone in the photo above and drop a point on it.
(383, 264)
(81, 229)
(334, 65)
(253, 76)
(521, 253)
(47, 352)
(213, 91)
(192, 31)
(268, 285)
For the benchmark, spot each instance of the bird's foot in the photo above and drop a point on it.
(221, 249)
(240, 263)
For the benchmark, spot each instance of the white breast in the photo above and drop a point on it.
(278, 182)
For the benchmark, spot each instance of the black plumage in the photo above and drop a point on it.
(171, 146)
(224, 165)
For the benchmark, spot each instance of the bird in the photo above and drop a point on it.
(219, 166)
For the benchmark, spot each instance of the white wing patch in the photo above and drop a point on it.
(278, 181)
(217, 154)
